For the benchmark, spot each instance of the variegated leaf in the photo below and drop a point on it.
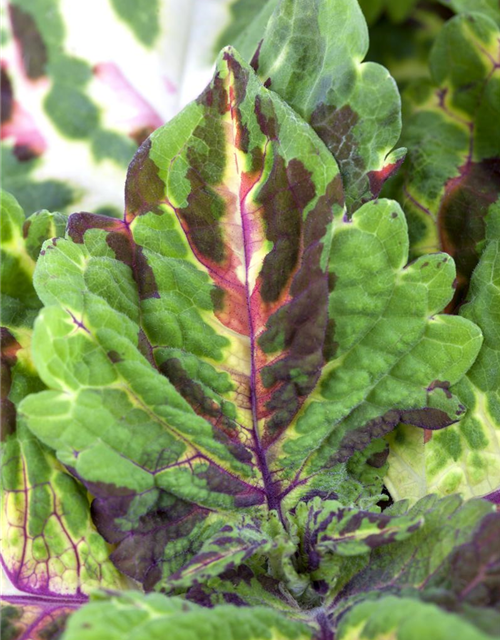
(216, 351)
(311, 53)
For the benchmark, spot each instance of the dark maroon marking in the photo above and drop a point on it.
(217, 296)
(441, 384)
(238, 92)
(114, 356)
(139, 136)
(266, 118)
(377, 179)
(9, 348)
(232, 598)
(493, 497)
(254, 63)
(140, 548)
(359, 439)
(204, 213)
(144, 276)
(25, 153)
(33, 49)
(379, 459)
(144, 189)
(6, 95)
(119, 239)
(461, 217)
(220, 482)
(283, 197)
(26, 229)
(471, 574)
(300, 327)
(79, 223)
(215, 96)
(202, 217)
(225, 430)
(335, 127)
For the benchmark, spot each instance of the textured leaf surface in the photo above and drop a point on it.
(466, 458)
(451, 560)
(185, 347)
(404, 619)
(452, 173)
(22, 618)
(310, 54)
(49, 545)
(318, 549)
(133, 616)
(441, 551)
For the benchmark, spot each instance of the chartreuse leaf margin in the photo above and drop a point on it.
(49, 544)
(465, 458)
(452, 174)
(225, 349)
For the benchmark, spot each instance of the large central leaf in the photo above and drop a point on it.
(235, 339)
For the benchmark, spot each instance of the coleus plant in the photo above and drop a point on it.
(220, 366)
(68, 96)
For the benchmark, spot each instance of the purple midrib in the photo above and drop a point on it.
(273, 500)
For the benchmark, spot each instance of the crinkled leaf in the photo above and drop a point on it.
(441, 551)
(137, 617)
(331, 528)
(50, 546)
(216, 351)
(404, 619)
(465, 458)
(452, 174)
(22, 618)
(311, 53)
(452, 559)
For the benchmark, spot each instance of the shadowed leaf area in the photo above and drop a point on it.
(452, 175)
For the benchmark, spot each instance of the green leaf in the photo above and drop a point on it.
(465, 458)
(452, 173)
(50, 546)
(451, 558)
(134, 616)
(404, 619)
(217, 352)
(311, 54)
